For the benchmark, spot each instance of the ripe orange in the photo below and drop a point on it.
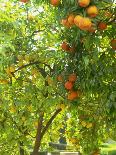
(77, 20)
(55, 2)
(73, 95)
(83, 3)
(71, 19)
(102, 26)
(71, 49)
(85, 24)
(68, 85)
(113, 44)
(65, 46)
(92, 29)
(72, 77)
(60, 78)
(65, 23)
(82, 23)
(24, 1)
(92, 11)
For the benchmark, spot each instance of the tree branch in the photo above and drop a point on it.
(24, 66)
(33, 63)
(38, 135)
(50, 122)
(34, 32)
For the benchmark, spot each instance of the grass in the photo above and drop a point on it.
(108, 149)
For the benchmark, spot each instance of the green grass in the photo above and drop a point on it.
(108, 149)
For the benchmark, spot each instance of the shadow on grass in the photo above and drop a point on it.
(112, 152)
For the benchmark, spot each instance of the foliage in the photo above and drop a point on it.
(40, 43)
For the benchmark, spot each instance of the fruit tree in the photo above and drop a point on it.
(57, 62)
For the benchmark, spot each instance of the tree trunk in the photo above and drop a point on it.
(38, 136)
(40, 132)
(22, 152)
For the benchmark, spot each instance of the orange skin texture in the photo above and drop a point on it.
(92, 11)
(71, 49)
(102, 26)
(113, 44)
(65, 46)
(85, 24)
(71, 19)
(65, 23)
(55, 2)
(24, 1)
(92, 29)
(77, 20)
(83, 3)
(82, 23)
(59, 78)
(72, 77)
(68, 85)
(73, 95)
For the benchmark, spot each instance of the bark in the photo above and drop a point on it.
(22, 152)
(38, 136)
(50, 122)
(40, 132)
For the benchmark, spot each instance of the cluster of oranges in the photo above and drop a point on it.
(83, 23)
(69, 85)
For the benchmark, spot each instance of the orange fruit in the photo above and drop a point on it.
(68, 85)
(55, 2)
(85, 24)
(65, 46)
(71, 19)
(71, 49)
(92, 29)
(92, 11)
(72, 77)
(102, 26)
(83, 3)
(65, 23)
(24, 1)
(73, 95)
(59, 78)
(113, 44)
(82, 23)
(77, 20)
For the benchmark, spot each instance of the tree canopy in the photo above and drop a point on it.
(57, 69)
